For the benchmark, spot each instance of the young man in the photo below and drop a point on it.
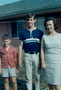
(8, 62)
(30, 42)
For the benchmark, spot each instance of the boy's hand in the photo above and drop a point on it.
(17, 71)
(0, 71)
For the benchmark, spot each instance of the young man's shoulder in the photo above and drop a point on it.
(40, 31)
(22, 32)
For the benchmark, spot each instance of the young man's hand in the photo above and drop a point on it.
(20, 63)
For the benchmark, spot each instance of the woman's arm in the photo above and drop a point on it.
(42, 55)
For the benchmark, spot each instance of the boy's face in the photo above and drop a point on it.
(6, 42)
(30, 21)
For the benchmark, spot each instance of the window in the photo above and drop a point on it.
(20, 26)
(16, 27)
(40, 23)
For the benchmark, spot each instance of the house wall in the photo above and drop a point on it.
(58, 18)
(6, 28)
(2, 31)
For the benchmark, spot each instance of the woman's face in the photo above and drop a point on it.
(50, 26)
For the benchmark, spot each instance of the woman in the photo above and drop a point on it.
(51, 55)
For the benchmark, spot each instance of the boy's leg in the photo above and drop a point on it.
(6, 83)
(5, 75)
(12, 73)
(14, 82)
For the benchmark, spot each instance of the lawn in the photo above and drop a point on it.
(21, 81)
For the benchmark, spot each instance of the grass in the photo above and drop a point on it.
(21, 81)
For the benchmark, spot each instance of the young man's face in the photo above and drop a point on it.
(6, 42)
(30, 22)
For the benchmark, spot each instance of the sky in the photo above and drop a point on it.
(2, 2)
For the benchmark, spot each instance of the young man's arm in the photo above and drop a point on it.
(42, 55)
(20, 53)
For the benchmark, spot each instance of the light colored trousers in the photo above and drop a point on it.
(32, 61)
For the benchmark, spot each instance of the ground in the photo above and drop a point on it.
(21, 81)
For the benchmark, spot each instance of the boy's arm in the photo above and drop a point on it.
(42, 54)
(17, 65)
(0, 67)
(20, 53)
(16, 60)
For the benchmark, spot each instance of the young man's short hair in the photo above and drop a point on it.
(6, 36)
(30, 15)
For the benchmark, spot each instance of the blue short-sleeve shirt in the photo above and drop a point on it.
(31, 39)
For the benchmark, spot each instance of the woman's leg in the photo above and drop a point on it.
(51, 87)
(57, 87)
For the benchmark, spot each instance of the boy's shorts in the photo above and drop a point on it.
(10, 72)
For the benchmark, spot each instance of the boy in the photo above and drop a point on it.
(30, 41)
(8, 62)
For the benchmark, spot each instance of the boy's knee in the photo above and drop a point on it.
(6, 81)
(14, 82)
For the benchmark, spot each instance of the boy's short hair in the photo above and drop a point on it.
(30, 15)
(6, 36)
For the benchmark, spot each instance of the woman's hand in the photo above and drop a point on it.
(43, 66)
